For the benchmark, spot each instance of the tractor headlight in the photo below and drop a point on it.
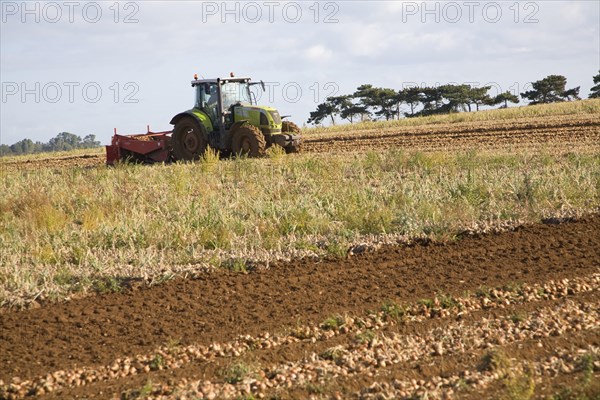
(276, 117)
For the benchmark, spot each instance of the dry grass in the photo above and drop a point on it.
(78, 230)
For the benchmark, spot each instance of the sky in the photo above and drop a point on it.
(89, 67)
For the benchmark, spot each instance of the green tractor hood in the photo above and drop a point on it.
(267, 119)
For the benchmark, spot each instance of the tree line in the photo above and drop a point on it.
(369, 102)
(64, 141)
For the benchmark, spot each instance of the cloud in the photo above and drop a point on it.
(351, 43)
(318, 53)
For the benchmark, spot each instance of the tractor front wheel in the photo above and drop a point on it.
(290, 127)
(188, 141)
(248, 140)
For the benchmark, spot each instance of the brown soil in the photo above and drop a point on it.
(550, 132)
(219, 306)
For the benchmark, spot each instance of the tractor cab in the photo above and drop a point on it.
(218, 98)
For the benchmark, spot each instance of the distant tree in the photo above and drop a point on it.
(24, 146)
(398, 99)
(433, 98)
(62, 141)
(339, 103)
(366, 96)
(388, 101)
(550, 90)
(412, 97)
(479, 96)
(595, 93)
(5, 150)
(458, 97)
(433, 102)
(385, 102)
(504, 98)
(572, 94)
(90, 141)
(365, 93)
(346, 108)
(356, 110)
(324, 110)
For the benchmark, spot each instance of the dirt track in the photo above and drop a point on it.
(565, 132)
(112, 341)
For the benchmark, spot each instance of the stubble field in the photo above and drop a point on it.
(447, 259)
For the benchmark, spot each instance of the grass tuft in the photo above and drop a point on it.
(495, 361)
(393, 311)
(333, 323)
(140, 393)
(236, 373)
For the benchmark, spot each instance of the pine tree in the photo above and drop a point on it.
(551, 89)
(504, 98)
(595, 93)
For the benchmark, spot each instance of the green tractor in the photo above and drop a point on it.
(226, 118)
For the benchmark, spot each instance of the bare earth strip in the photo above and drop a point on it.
(549, 132)
(360, 346)
(92, 333)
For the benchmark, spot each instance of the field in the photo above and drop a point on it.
(446, 257)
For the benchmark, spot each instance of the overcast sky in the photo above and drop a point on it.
(87, 67)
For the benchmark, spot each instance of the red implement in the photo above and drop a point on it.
(146, 148)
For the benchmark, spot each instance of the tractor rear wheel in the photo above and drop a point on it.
(248, 140)
(188, 140)
(290, 127)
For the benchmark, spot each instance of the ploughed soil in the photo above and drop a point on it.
(553, 132)
(219, 306)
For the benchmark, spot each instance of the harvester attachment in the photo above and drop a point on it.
(146, 148)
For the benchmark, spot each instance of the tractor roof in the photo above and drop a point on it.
(197, 82)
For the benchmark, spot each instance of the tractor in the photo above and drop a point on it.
(225, 118)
